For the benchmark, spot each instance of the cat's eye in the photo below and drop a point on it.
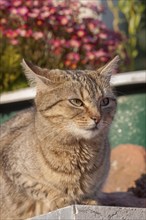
(76, 102)
(104, 102)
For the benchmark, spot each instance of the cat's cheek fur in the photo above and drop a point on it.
(80, 133)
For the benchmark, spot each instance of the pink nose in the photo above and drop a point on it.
(96, 119)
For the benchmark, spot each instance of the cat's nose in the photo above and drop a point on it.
(96, 119)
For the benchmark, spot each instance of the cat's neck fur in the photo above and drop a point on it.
(57, 134)
(71, 148)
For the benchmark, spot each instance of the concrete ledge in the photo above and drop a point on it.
(86, 212)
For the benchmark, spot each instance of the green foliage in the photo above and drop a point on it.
(11, 75)
(133, 11)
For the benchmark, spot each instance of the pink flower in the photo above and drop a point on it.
(52, 10)
(75, 5)
(103, 36)
(63, 21)
(81, 33)
(57, 51)
(91, 26)
(16, 3)
(22, 11)
(29, 3)
(87, 47)
(28, 33)
(104, 59)
(56, 43)
(14, 42)
(69, 30)
(60, 24)
(45, 14)
(22, 33)
(67, 62)
(4, 4)
(37, 35)
(74, 43)
(73, 56)
(11, 33)
(85, 39)
(3, 21)
(90, 55)
(14, 11)
(84, 61)
(35, 3)
(34, 13)
(67, 11)
(100, 53)
(62, 41)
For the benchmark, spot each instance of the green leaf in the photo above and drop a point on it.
(134, 53)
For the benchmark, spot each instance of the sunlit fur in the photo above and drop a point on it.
(54, 154)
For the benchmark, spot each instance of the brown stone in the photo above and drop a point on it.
(128, 163)
(123, 199)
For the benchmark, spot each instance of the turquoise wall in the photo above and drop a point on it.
(130, 122)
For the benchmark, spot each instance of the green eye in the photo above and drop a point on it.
(104, 102)
(76, 102)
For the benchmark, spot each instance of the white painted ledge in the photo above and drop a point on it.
(19, 95)
(129, 78)
(86, 212)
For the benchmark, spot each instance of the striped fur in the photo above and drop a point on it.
(57, 153)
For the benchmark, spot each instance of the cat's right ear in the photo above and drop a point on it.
(34, 74)
(109, 68)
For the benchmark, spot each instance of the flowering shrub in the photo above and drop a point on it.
(56, 34)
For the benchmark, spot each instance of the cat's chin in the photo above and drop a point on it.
(83, 133)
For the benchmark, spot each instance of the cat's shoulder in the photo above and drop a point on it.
(20, 120)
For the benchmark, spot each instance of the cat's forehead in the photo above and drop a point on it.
(77, 75)
(80, 74)
(87, 82)
(83, 77)
(83, 83)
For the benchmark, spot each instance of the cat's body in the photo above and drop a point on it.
(57, 153)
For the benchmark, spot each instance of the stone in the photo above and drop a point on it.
(128, 163)
(122, 199)
(86, 212)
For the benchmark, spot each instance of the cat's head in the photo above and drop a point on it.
(80, 102)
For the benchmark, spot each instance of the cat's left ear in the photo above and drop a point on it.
(109, 68)
(34, 74)
(42, 77)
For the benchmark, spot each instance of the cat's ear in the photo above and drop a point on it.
(109, 68)
(42, 77)
(33, 73)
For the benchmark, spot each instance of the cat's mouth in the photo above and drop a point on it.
(93, 128)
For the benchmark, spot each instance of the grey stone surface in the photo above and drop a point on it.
(86, 212)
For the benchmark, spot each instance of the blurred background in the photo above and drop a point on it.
(71, 34)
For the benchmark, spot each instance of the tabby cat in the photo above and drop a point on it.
(57, 153)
